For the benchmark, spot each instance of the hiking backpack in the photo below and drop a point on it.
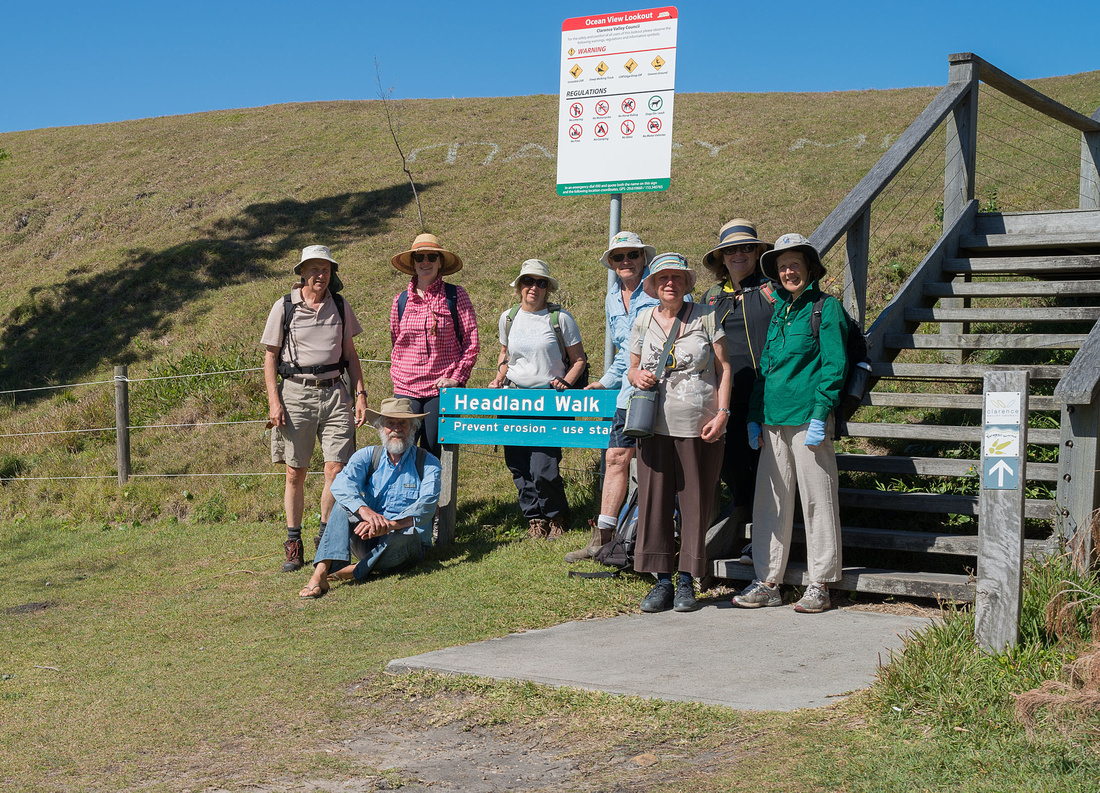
(285, 368)
(450, 292)
(555, 323)
(857, 381)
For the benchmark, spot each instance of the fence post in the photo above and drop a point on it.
(999, 593)
(1090, 168)
(448, 492)
(857, 250)
(122, 422)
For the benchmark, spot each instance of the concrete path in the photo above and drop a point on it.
(762, 659)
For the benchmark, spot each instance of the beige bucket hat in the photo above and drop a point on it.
(793, 242)
(320, 253)
(536, 268)
(427, 243)
(627, 239)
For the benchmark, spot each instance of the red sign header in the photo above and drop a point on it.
(624, 18)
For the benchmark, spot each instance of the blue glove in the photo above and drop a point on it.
(754, 435)
(816, 432)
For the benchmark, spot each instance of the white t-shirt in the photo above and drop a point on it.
(534, 357)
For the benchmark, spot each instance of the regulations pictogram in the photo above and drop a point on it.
(630, 66)
(602, 107)
(601, 129)
(627, 127)
(576, 70)
(576, 110)
(656, 103)
(575, 131)
(601, 70)
(657, 63)
(653, 125)
(628, 105)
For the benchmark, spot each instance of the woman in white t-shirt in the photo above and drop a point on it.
(681, 461)
(531, 356)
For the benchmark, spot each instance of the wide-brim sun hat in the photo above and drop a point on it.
(627, 239)
(737, 232)
(394, 408)
(536, 268)
(665, 263)
(792, 242)
(321, 253)
(427, 243)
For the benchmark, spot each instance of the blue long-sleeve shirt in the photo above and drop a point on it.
(621, 321)
(393, 491)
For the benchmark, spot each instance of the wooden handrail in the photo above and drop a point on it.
(1081, 381)
(1025, 94)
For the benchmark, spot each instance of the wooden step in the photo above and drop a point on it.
(903, 540)
(1045, 221)
(866, 579)
(940, 503)
(984, 341)
(932, 466)
(963, 371)
(1034, 314)
(1000, 242)
(966, 401)
(941, 432)
(1012, 289)
(1023, 265)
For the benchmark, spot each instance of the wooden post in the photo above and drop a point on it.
(1090, 168)
(999, 593)
(857, 251)
(1078, 474)
(448, 494)
(122, 423)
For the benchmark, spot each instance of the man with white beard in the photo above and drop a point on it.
(386, 497)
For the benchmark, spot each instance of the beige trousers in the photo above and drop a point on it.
(786, 462)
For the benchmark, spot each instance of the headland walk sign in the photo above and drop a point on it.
(618, 78)
(526, 417)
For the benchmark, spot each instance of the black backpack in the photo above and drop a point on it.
(618, 552)
(450, 292)
(286, 368)
(857, 382)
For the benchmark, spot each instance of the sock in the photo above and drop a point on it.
(685, 579)
(606, 522)
(324, 525)
(294, 532)
(664, 578)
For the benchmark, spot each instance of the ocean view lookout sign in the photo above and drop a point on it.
(618, 75)
(526, 417)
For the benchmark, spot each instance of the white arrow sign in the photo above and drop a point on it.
(1000, 469)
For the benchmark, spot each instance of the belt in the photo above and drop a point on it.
(329, 383)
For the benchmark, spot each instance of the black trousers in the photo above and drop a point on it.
(535, 472)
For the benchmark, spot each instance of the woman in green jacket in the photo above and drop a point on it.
(791, 421)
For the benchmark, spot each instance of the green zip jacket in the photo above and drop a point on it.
(800, 378)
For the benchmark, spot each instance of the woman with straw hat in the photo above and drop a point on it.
(434, 332)
(540, 347)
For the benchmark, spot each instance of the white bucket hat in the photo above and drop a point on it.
(627, 239)
(320, 253)
(792, 242)
(536, 268)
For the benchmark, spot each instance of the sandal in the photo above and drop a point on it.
(313, 591)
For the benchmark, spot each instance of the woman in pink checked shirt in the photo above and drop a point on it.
(434, 333)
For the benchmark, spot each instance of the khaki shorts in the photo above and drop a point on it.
(312, 414)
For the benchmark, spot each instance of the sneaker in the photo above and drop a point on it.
(295, 553)
(746, 555)
(685, 595)
(659, 598)
(557, 528)
(758, 594)
(537, 528)
(814, 601)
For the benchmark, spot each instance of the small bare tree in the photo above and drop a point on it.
(386, 95)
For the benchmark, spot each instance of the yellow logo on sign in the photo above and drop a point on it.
(601, 70)
(576, 70)
(630, 66)
(657, 63)
(572, 51)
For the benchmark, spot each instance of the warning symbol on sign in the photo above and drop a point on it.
(654, 125)
(575, 131)
(602, 107)
(572, 51)
(657, 63)
(627, 127)
(576, 70)
(601, 129)
(628, 105)
(630, 66)
(601, 70)
(576, 110)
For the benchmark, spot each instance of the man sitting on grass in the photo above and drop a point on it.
(386, 497)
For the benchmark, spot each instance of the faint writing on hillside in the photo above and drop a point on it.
(485, 153)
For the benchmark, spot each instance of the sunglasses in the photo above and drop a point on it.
(748, 247)
(431, 257)
(618, 257)
(527, 280)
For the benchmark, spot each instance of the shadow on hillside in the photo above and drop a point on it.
(61, 333)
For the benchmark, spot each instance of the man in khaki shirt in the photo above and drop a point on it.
(310, 401)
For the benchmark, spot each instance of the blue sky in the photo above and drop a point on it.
(65, 62)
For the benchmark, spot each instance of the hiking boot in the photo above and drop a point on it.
(295, 553)
(659, 598)
(746, 555)
(815, 601)
(758, 594)
(588, 551)
(557, 528)
(537, 528)
(685, 595)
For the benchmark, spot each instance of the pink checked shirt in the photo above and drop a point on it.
(425, 347)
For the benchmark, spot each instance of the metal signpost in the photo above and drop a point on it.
(1001, 510)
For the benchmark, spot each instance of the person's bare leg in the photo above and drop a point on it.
(294, 496)
(616, 479)
(327, 499)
